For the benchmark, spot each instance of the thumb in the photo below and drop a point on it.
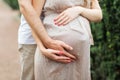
(67, 47)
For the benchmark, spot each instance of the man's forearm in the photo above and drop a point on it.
(33, 20)
(38, 41)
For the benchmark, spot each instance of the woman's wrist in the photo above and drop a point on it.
(43, 50)
(40, 45)
(80, 9)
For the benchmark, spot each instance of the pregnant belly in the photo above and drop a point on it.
(74, 33)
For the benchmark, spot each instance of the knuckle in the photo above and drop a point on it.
(56, 58)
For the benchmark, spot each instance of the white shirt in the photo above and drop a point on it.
(24, 33)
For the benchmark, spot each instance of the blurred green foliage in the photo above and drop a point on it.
(105, 54)
(13, 3)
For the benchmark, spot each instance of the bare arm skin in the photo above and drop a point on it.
(93, 14)
(32, 18)
(50, 53)
(31, 9)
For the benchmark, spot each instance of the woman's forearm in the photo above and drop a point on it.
(93, 15)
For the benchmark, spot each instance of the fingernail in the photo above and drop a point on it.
(71, 48)
(74, 58)
(60, 52)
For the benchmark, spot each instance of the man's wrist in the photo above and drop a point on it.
(47, 42)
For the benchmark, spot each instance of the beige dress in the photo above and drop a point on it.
(76, 34)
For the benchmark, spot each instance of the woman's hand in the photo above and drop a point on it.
(56, 55)
(68, 15)
(61, 46)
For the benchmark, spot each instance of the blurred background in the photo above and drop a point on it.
(105, 54)
(9, 56)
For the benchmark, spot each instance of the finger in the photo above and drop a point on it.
(56, 57)
(60, 19)
(61, 52)
(67, 47)
(65, 61)
(67, 21)
(59, 16)
(64, 20)
(62, 58)
(69, 55)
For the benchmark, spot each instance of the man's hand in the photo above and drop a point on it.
(61, 46)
